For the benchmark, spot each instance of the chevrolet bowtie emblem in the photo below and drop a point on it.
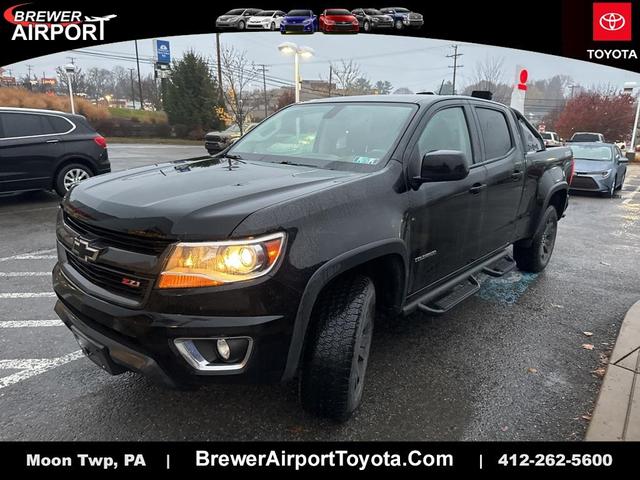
(83, 249)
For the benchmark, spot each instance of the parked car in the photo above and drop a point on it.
(266, 20)
(299, 21)
(236, 19)
(371, 19)
(215, 142)
(47, 149)
(403, 17)
(551, 139)
(256, 265)
(338, 20)
(600, 167)
(587, 137)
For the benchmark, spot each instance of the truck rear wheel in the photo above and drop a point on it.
(337, 354)
(535, 256)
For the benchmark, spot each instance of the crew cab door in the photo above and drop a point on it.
(503, 158)
(444, 218)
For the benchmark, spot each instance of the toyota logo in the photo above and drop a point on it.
(612, 21)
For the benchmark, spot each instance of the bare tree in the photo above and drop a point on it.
(489, 73)
(237, 76)
(347, 74)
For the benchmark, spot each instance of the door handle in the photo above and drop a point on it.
(477, 188)
(516, 175)
(53, 140)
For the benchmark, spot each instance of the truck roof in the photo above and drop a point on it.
(419, 99)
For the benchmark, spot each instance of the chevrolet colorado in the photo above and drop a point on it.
(269, 261)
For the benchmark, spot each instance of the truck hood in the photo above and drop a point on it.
(586, 166)
(192, 200)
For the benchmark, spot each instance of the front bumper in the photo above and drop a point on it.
(341, 28)
(120, 338)
(258, 26)
(228, 25)
(296, 28)
(591, 183)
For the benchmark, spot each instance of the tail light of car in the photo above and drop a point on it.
(100, 141)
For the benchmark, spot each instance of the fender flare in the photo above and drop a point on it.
(535, 221)
(321, 278)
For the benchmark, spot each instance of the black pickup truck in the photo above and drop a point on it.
(269, 261)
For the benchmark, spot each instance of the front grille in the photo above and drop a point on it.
(344, 26)
(294, 28)
(110, 280)
(124, 241)
(586, 183)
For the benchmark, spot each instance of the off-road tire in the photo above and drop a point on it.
(535, 256)
(335, 360)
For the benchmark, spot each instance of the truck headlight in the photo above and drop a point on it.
(210, 264)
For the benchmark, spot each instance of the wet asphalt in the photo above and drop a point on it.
(507, 364)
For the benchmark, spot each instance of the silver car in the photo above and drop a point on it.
(599, 167)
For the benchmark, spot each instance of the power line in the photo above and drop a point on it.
(455, 65)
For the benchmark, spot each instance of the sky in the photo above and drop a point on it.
(416, 63)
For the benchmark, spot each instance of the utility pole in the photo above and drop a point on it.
(72, 60)
(139, 78)
(133, 92)
(330, 77)
(219, 62)
(572, 87)
(264, 88)
(29, 68)
(455, 65)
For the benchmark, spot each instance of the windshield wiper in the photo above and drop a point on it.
(287, 162)
(233, 157)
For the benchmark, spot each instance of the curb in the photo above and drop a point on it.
(616, 415)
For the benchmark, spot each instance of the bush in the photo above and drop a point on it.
(19, 97)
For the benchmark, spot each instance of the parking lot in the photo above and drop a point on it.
(508, 364)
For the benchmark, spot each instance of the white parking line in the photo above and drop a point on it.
(30, 323)
(25, 274)
(37, 255)
(33, 366)
(27, 295)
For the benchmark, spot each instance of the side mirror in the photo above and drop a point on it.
(443, 166)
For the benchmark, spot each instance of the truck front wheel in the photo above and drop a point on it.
(337, 354)
(535, 256)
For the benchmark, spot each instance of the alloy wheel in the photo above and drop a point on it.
(73, 177)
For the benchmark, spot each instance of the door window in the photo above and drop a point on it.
(446, 130)
(495, 132)
(531, 142)
(25, 125)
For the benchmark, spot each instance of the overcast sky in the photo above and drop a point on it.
(414, 63)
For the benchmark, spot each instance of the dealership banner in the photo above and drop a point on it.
(600, 32)
(220, 457)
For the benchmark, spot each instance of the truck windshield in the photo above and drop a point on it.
(547, 136)
(346, 136)
(591, 152)
(585, 137)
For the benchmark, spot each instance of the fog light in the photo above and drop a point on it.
(223, 349)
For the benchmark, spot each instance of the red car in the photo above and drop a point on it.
(338, 20)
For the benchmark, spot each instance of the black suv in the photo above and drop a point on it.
(270, 260)
(47, 149)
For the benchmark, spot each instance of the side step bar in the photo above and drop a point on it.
(458, 294)
(501, 267)
(444, 289)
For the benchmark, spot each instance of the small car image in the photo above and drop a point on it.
(403, 17)
(266, 20)
(215, 142)
(236, 19)
(551, 139)
(338, 20)
(372, 19)
(299, 21)
(599, 167)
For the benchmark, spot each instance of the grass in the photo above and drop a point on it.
(144, 116)
(160, 141)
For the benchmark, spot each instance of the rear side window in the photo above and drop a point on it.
(25, 125)
(495, 132)
(531, 142)
(58, 124)
(446, 130)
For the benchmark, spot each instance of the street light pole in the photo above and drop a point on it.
(289, 48)
(628, 87)
(296, 75)
(69, 70)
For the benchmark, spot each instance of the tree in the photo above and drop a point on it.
(287, 97)
(346, 74)
(191, 95)
(78, 81)
(383, 87)
(488, 73)
(237, 76)
(593, 111)
(100, 82)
